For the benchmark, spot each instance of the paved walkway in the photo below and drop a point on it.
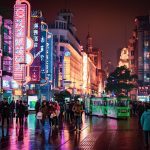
(97, 134)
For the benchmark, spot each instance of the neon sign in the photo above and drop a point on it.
(36, 32)
(20, 19)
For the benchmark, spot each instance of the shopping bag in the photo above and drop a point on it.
(39, 115)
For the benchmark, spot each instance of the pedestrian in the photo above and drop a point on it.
(17, 108)
(145, 123)
(140, 110)
(21, 113)
(26, 110)
(77, 109)
(37, 107)
(5, 112)
(12, 108)
(44, 110)
(62, 111)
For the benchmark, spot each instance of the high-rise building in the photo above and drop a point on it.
(143, 48)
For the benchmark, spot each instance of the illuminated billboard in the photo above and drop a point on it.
(44, 30)
(20, 31)
(7, 46)
(49, 56)
(36, 36)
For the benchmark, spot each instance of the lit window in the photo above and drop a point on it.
(146, 43)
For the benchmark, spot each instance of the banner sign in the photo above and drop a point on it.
(8, 45)
(36, 36)
(43, 49)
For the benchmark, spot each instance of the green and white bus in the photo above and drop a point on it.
(109, 107)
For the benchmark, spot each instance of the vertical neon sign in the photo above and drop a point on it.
(49, 56)
(44, 30)
(20, 23)
(22, 42)
(36, 32)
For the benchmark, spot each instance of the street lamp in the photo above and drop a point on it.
(22, 63)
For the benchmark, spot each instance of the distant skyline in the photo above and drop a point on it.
(109, 23)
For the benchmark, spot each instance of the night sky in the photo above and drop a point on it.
(110, 22)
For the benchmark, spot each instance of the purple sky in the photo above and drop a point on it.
(110, 21)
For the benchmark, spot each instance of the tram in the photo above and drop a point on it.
(109, 107)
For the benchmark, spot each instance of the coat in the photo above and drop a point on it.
(145, 120)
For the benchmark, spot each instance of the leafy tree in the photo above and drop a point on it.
(60, 97)
(121, 81)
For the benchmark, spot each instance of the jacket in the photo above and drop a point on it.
(77, 109)
(145, 120)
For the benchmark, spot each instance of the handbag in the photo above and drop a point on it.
(39, 115)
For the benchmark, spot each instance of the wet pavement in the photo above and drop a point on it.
(97, 134)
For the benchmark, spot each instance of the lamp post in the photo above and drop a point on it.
(22, 64)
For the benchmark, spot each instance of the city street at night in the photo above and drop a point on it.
(96, 133)
(74, 75)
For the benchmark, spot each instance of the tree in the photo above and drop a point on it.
(121, 81)
(60, 97)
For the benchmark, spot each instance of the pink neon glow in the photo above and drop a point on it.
(20, 25)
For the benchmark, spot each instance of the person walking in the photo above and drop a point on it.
(17, 108)
(12, 107)
(37, 107)
(26, 110)
(145, 123)
(44, 110)
(5, 112)
(77, 109)
(21, 113)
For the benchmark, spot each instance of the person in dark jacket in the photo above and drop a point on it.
(12, 107)
(21, 113)
(145, 123)
(37, 107)
(17, 108)
(5, 112)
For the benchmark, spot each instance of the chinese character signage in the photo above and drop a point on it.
(20, 20)
(35, 68)
(7, 59)
(43, 49)
(49, 56)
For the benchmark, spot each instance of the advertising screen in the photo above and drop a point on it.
(32, 101)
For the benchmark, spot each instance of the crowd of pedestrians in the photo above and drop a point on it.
(57, 113)
(18, 110)
(8, 111)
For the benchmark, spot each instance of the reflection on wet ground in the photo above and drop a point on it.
(97, 133)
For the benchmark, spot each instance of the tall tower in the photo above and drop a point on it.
(89, 45)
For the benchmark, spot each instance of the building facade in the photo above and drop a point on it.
(142, 24)
(68, 59)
